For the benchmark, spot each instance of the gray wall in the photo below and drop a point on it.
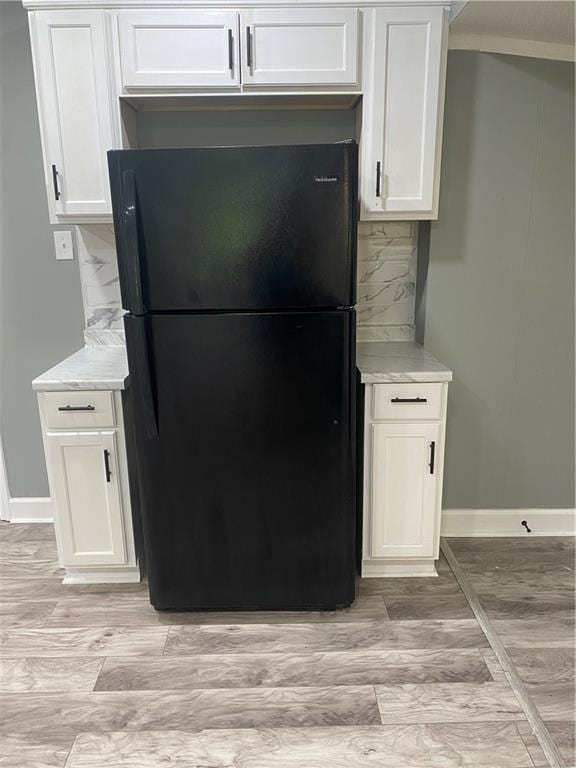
(256, 126)
(500, 287)
(41, 317)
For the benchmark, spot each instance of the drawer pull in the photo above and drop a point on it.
(432, 456)
(77, 408)
(409, 400)
(107, 465)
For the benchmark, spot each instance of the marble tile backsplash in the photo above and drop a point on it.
(385, 288)
(99, 277)
(386, 281)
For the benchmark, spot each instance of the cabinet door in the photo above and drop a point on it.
(73, 93)
(179, 49)
(403, 111)
(292, 47)
(86, 491)
(405, 489)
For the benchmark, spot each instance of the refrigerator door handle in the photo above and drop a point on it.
(131, 245)
(139, 363)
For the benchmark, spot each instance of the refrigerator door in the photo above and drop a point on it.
(236, 228)
(246, 458)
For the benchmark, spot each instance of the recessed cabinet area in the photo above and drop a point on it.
(93, 67)
(146, 128)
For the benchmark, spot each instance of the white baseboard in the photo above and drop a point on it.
(508, 522)
(30, 510)
(401, 567)
(110, 575)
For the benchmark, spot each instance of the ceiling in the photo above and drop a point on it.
(546, 21)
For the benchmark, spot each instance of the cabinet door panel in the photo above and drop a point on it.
(404, 490)
(71, 72)
(87, 497)
(299, 47)
(406, 90)
(179, 49)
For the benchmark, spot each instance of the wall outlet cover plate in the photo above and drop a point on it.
(63, 244)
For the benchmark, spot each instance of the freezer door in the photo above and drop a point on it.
(236, 228)
(247, 474)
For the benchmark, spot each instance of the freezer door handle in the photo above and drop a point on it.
(131, 245)
(140, 379)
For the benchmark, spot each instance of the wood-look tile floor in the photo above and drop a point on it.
(92, 676)
(526, 587)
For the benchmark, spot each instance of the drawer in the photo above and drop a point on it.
(408, 402)
(79, 410)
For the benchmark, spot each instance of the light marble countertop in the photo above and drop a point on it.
(89, 368)
(398, 361)
(106, 367)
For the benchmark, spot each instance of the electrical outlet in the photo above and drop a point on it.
(63, 244)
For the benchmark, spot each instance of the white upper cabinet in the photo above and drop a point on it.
(300, 46)
(179, 49)
(75, 109)
(405, 56)
(86, 59)
(204, 49)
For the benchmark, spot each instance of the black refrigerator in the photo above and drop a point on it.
(237, 270)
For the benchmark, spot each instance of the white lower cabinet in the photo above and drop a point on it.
(86, 487)
(89, 488)
(403, 490)
(403, 479)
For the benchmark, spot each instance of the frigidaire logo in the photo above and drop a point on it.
(325, 179)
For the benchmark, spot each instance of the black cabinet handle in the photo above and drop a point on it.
(248, 47)
(230, 51)
(409, 400)
(432, 456)
(55, 182)
(77, 408)
(378, 164)
(107, 465)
